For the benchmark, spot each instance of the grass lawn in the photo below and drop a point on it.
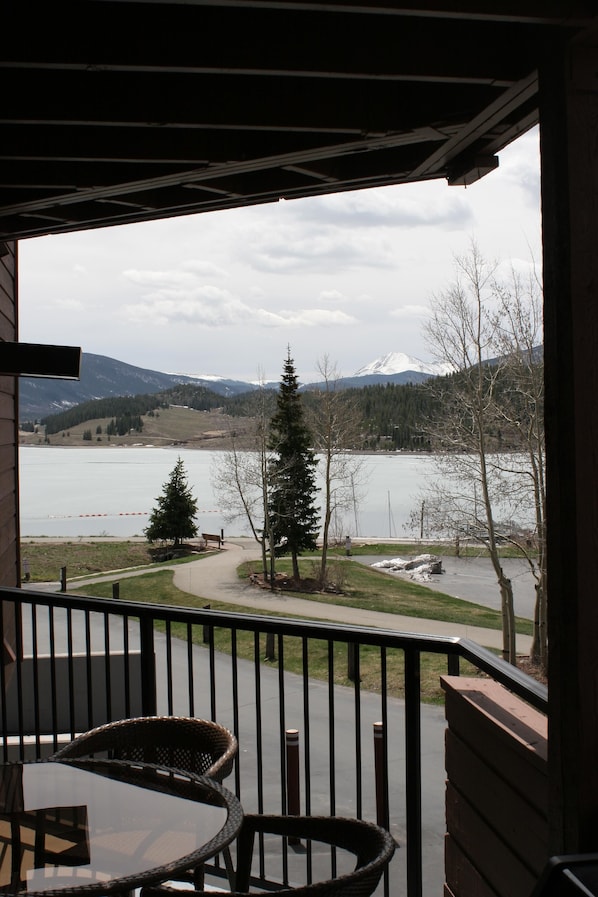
(81, 558)
(157, 588)
(87, 558)
(371, 589)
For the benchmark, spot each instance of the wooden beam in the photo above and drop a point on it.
(38, 360)
(569, 154)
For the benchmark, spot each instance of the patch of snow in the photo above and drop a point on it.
(213, 377)
(397, 362)
(419, 568)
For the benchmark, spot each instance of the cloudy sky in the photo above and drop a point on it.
(349, 276)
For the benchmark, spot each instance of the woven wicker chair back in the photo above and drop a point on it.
(192, 745)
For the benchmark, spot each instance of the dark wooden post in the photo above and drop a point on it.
(207, 629)
(270, 650)
(569, 154)
(352, 661)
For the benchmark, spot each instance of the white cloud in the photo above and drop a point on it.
(69, 303)
(410, 311)
(257, 292)
(173, 278)
(210, 306)
(309, 317)
(332, 296)
(185, 275)
(204, 268)
(206, 305)
(292, 247)
(405, 206)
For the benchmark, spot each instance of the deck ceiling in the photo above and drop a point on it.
(123, 111)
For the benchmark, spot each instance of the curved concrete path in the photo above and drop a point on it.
(215, 578)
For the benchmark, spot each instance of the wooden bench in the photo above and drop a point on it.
(212, 537)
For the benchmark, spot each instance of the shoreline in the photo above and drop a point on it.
(362, 540)
(195, 446)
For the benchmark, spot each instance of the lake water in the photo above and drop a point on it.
(111, 491)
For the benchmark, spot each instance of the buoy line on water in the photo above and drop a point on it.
(121, 514)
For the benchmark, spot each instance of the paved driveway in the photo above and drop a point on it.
(473, 579)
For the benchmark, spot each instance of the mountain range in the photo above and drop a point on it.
(102, 377)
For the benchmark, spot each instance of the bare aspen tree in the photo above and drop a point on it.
(334, 423)
(240, 478)
(520, 412)
(461, 333)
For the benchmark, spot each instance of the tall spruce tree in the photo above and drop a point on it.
(174, 517)
(293, 517)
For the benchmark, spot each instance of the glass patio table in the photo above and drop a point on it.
(105, 826)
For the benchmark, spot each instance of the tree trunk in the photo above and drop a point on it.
(295, 557)
(272, 565)
(264, 559)
(539, 648)
(324, 560)
(509, 650)
(327, 516)
(508, 620)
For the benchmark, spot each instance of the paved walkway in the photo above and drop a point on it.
(214, 578)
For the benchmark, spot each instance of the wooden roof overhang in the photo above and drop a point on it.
(117, 111)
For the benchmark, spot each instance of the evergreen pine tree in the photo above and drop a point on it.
(174, 516)
(293, 518)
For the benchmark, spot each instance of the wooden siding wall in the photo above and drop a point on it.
(9, 492)
(496, 792)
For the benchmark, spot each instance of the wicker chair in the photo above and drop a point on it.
(191, 745)
(373, 846)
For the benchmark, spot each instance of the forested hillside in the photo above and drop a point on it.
(390, 416)
(113, 407)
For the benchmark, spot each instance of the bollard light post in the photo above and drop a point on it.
(293, 799)
(380, 776)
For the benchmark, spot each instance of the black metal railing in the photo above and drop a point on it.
(313, 738)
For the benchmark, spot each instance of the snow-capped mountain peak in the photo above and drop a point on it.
(397, 362)
(213, 377)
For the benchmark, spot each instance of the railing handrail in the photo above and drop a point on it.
(179, 670)
(514, 679)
